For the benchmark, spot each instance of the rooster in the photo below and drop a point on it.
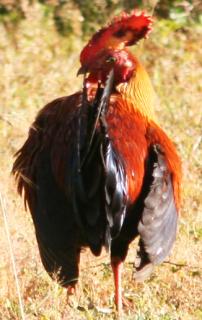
(97, 170)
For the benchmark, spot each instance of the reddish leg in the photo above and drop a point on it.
(117, 266)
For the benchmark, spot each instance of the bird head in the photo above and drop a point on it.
(107, 48)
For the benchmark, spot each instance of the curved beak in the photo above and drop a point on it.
(82, 70)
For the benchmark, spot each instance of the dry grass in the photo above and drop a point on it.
(36, 66)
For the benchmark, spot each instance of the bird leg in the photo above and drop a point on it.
(117, 266)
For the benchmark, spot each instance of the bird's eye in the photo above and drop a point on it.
(111, 59)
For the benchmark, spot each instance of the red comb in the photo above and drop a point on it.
(124, 30)
(138, 22)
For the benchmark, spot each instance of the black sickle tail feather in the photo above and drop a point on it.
(158, 224)
(98, 177)
(115, 191)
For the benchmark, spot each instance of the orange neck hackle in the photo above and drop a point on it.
(139, 93)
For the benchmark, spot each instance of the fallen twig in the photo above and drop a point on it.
(5, 120)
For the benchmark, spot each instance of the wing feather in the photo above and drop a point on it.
(158, 224)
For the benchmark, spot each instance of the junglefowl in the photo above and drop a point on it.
(97, 170)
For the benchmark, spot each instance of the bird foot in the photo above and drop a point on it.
(127, 304)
